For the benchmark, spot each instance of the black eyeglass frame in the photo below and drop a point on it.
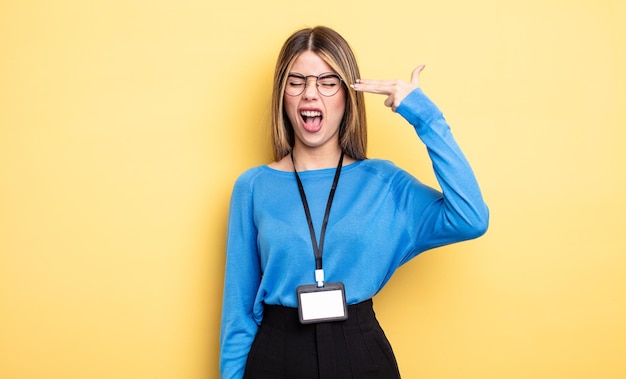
(317, 78)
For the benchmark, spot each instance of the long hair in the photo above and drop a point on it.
(336, 52)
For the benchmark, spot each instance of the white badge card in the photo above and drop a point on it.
(322, 304)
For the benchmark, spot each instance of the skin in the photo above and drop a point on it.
(314, 148)
(319, 148)
(395, 90)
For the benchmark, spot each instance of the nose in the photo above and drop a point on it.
(310, 90)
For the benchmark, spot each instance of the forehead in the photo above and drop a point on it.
(310, 63)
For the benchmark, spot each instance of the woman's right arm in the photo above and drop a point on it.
(241, 282)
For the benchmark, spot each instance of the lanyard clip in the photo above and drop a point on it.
(319, 278)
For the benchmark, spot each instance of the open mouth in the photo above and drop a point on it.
(312, 120)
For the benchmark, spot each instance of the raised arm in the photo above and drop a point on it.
(460, 212)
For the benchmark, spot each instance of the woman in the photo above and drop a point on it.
(284, 218)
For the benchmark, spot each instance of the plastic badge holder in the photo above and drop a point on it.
(322, 304)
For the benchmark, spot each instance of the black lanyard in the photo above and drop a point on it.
(317, 250)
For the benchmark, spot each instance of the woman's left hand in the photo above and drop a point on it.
(396, 90)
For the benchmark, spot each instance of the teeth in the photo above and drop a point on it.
(311, 113)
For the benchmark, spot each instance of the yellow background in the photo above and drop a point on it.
(124, 123)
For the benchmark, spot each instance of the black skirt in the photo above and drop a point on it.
(355, 348)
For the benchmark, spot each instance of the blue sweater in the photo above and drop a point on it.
(381, 218)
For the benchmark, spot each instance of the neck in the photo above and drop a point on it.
(314, 159)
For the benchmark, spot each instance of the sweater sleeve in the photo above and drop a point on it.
(459, 212)
(241, 283)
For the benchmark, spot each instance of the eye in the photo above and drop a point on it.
(329, 81)
(295, 81)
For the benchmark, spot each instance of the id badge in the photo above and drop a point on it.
(322, 304)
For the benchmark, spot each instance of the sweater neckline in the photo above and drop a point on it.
(318, 172)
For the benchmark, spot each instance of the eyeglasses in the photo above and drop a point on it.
(327, 84)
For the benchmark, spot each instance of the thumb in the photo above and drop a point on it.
(416, 73)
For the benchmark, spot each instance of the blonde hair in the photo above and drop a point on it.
(336, 52)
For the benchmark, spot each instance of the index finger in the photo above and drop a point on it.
(382, 87)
